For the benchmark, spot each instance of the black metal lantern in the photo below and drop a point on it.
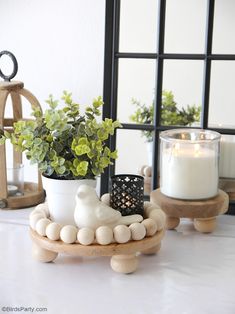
(127, 194)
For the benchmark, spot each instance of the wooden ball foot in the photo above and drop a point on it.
(43, 255)
(172, 222)
(125, 264)
(152, 250)
(205, 225)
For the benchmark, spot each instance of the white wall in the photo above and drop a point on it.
(59, 46)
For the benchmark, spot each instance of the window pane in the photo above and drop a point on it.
(138, 26)
(224, 27)
(185, 26)
(222, 97)
(134, 155)
(135, 86)
(182, 85)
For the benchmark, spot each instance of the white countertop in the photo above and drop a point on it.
(193, 273)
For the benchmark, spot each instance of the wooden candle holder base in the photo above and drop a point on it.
(203, 212)
(123, 256)
(228, 186)
(33, 195)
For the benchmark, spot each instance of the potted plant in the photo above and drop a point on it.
(69, 147)
(170, 115)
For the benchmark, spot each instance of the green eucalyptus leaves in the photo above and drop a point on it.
(64, 143)
(170, 113)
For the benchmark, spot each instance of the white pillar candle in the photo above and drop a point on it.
(227, 157)
(189, 168)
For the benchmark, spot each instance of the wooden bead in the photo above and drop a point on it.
(172, 222)
(150, 226)
(104, 235)
(148, 171)
(138, 231)
(41, 226)
(148, 207)
(68, 234)
(122, 234)
(125, 264)
(34, 219)
(141, 170)
(38, 211)
(205, 225)
(43, 207)
(105, 198)
(160, 218)
(85, 236)
(53, 231)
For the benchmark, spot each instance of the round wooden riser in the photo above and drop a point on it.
(203, 212)
(123, 256)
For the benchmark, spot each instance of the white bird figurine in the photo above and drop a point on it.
(90, 212)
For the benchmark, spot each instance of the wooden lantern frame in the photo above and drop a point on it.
(33, 192)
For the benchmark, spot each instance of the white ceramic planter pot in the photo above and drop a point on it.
(61, 198)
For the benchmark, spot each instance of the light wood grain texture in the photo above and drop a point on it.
(206, 225)
(17, 115)
(96, 249)
(30, 97)
(43, 255)
(152, 250)
(32, 196)
(202, 212)
(3, 171)
(228, 186)
(123, 258)
(172, 222)
(3, 174)
(11, 86)
(191, 209)
(125, 264)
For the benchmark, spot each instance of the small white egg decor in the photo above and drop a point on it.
(104, 235)
(138, 231)
(68, 234)
(41, 226)
(85, 236)
(154, 221)
(122, 234)
(53, 231)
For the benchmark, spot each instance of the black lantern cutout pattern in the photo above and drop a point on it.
(127, 194)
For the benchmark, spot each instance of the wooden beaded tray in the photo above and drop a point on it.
(123, 256)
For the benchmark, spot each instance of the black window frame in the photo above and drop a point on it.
(110, 87)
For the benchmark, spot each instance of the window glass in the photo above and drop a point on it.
(185, 26)
(224, 27)
(182, 91)
(135, 88)
(138, 25)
